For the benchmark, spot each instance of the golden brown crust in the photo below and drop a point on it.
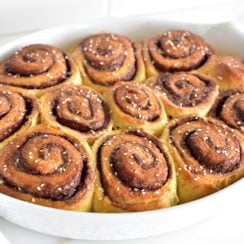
(227, 71)
(229, 107)
(208, 155)
(135, 173)
(50, 168)
(135, 105)
(77, 109)
(19, 110)
(39, 67)
(104, 59)
(174, 51)
(185, 93)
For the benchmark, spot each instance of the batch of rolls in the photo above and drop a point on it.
(117, 125)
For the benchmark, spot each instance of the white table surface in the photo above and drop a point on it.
(20, 17)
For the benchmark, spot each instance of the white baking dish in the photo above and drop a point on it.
(109, 226)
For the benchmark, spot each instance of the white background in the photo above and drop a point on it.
(20, 17)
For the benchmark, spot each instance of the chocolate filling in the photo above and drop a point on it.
(16, 125)
(124, 174)
(128, 76)
(77, 125)
(165, 82)
(136, 108)
(219, 155)
(45, 83)
(68, 191)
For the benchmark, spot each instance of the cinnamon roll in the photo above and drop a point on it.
(229, 107)
(104, 59)
(227, 71)
(50, 168)
(208, 155)
(135, 105)
(19, 110)
(135, 173)
(77, 108)
(175, 50)
(38, 67)
(185, 93)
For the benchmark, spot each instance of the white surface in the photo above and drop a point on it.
(19, 16)
(224, 227)
(3, 239)
(25, 15)
(207, 11)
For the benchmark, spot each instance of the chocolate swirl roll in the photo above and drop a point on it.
(185, 93)
(38, 67)
(136, 105)
(50, 168)
(106, 58)
(77, 108)
(19, 110)
(227, 71)
(135, 173)
(229, 107)
(208, 155)
(175, 50)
